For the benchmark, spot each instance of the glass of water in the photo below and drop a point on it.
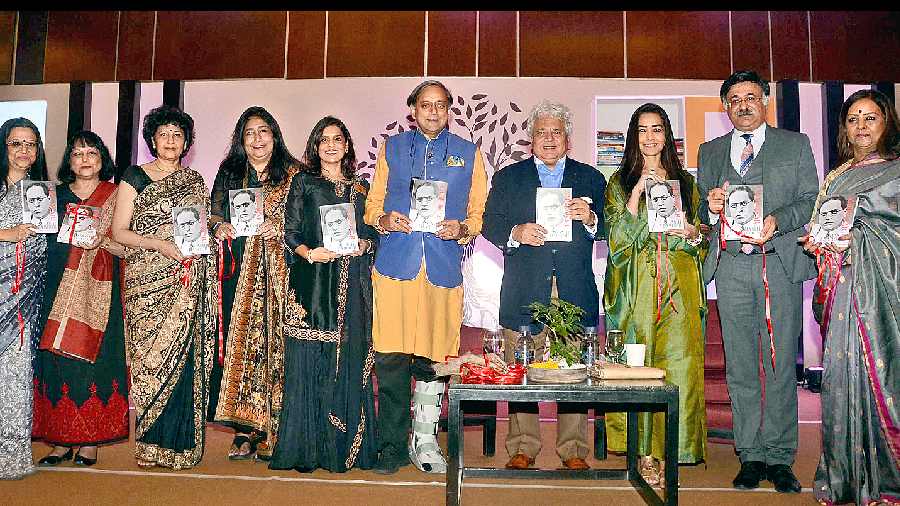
(615, 346)
(492, 342)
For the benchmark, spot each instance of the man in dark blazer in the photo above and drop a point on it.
(765, 433)
(534, 268)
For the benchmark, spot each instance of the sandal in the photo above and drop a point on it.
(649, 469)
(235, 453)
(145, 464)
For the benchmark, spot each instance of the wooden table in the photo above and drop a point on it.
(630, 396)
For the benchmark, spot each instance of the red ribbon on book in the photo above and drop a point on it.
(221, 276)
(74, 212)
(184, 271)
(765, 280)
(660, 237)
(829, 265)
(17, 286)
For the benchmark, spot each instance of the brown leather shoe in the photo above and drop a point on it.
(519, 461)
(576, 464)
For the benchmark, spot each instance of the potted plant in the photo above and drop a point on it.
(563, 322)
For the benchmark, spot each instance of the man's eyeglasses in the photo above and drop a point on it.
(555, 132)
(750, 100)
(426, 198)
(17, 145)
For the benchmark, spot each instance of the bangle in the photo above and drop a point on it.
(215, 226)
(697, 241)
(378, 228)
(309, 255)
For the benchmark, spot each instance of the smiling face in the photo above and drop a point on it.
(865, 126)
(651, 134)
(38, 201)
(549, 142)
(663, 200)
(258, 140)
(332, 146)
(336, 224)
(21, 149)
(189, 224)
(243, 208)
(169, 141)
(740, 207)
(745, 106)
(426, 200)
(431, 111)
(831, 214)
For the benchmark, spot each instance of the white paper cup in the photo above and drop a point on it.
(634, 354)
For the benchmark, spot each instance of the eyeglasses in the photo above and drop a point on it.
(91, 154)
(17, 145)
(555, 132)
(750, 100)
(426, 198)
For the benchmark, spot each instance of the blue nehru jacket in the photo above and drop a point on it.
(447, 158)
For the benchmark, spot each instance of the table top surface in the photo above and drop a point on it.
(588, 385)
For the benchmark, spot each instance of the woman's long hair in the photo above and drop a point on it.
(633, 161)
(38, 170)
(235, 164)
(313, 164)
(88, 139)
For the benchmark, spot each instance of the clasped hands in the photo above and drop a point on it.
(447, 229)
(533, 234)
(716, 200)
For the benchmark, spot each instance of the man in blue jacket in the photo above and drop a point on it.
(535, 269)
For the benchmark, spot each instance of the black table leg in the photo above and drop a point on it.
(672, 451)
(455, 451)
(599, 434)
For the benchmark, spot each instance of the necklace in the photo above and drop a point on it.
(339, 179)
(159, 169)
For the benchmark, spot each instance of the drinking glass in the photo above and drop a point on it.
(492, 342)
(615, 346)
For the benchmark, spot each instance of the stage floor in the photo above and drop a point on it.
(116, 480)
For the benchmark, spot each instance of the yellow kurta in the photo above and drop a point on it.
(414, 316)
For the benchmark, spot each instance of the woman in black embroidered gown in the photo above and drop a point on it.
(327, 418)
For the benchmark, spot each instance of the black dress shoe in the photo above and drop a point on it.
(52, 460)
(783, 478)
(81, 460)
(748, 477)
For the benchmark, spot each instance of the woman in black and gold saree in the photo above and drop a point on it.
(858, 285)
(246, 387)
(327, 417)
(170, 298)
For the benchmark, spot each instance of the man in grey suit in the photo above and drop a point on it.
(765, 433)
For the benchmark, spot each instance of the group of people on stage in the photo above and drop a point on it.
(280, 338)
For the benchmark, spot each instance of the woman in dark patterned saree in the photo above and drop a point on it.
(170, 299)
(327, 418)
(859, 286)
(22, 260)
(246, 389)
(82, 389)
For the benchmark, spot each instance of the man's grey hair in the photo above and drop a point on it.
(549, 109)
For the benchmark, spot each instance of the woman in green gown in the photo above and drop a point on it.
(654, 291)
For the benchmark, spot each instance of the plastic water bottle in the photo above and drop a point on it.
(589, 346)
(524, 353)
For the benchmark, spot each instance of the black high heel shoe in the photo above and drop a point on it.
(52, 460)
(81, 460)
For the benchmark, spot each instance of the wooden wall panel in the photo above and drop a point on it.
(81, 46)
(790, 45)
(571, 43)
(750, 32)
(219, 45)
(7, 44)
(451, 43)
(392, 43)
(497, 43)
(306, 45)
(30, 45)
(135, 46)
(678, 45)
(855, 47)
